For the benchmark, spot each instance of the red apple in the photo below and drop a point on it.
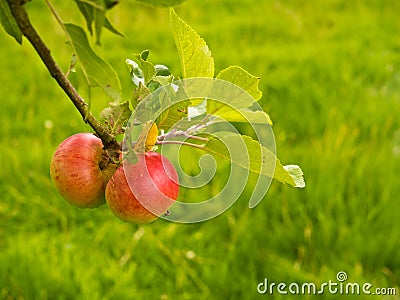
(141, 192)
(79, 171)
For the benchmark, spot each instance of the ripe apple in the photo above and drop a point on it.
(143, 191)
(80, 170)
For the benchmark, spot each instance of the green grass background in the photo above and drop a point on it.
(331, 82)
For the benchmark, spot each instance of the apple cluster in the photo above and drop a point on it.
(86, 177)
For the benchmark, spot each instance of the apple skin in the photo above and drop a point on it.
(153, 180)
(76, 170)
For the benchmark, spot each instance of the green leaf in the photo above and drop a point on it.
(238, 110)
(88, 12)
(243, 115)
(136, 72)
(162, 70)
(294, 171)
(148, 69)
(161, 106)
(249, 154)
(97, 71)
(115, 117)
(94, 11)
(142, 71)
(139, 94)
(243, 79)
(8, 22)
(158, 81)
(145, 74)
(195, 56)
(110, 3)
(164, 3)
(99, 19)
(163, 80)
(111, 28)
(172, 115)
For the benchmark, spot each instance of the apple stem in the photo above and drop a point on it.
(22, 19)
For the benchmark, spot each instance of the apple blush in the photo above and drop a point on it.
(80, 170)
(143, 191)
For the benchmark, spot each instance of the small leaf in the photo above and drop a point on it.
(8, 22)
(136, 72)
(73, 63)
(115, 117)
(162, 70)
(88, 13)
(297, 175)
(142, 71)
(163, 80)
(158, 81)
(94, 11)
(111, 28)
(243, 79)
(195, 56)
(97, 71)
(146, 67)
(144, 55)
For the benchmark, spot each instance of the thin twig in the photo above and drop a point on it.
(176, 133)
(180, 143)
(62, 25)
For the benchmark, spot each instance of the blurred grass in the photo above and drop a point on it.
(331, 82)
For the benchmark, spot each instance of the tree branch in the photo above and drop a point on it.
(22, 19)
